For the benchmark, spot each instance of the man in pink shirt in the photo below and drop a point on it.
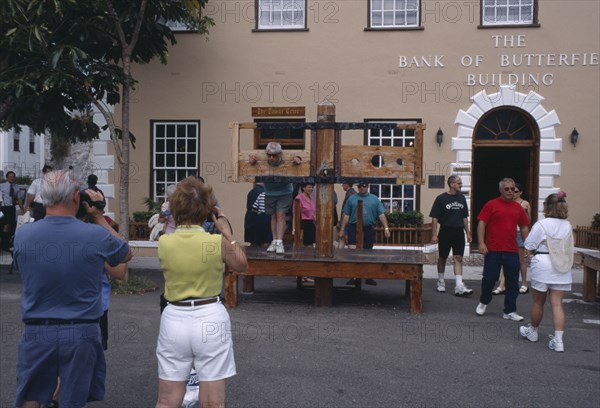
(497, 236)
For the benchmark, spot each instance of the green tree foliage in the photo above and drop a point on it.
(61, 59)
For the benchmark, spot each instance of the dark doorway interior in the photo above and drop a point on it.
(492, 164)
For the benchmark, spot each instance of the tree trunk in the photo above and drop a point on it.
(124, 165)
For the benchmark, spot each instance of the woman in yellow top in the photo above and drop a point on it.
(195, 329)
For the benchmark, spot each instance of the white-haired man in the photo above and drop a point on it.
(61, 260)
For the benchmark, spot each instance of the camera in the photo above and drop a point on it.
(85, 198)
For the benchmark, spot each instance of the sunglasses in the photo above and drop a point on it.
(517, 192)
(509, 189)
(271, 154)
(363, 185)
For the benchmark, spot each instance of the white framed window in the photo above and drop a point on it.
(399, 197)
(16, 142)
(508, 12)
(31, 143)
(394, 13)
(175, 153)
(281, 14)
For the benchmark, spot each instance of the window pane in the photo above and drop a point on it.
(160, 131)
(411, 18)
(170, 145)
(170, 160)
(191, 160)
(376, 19)
(171, 176)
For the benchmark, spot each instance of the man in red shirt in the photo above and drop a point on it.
(497, 235)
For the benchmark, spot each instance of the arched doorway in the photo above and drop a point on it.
(506, 143)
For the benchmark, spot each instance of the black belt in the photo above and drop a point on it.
(41, 322)
(194, 302)
(543, 253)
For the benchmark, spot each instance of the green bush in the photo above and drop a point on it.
(402, 219)
(134, 285)
(23, 180)
(596, 221)
(142, 216)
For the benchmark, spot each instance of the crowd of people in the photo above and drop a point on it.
(71, 293)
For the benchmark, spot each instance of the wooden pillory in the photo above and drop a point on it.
(326, 163)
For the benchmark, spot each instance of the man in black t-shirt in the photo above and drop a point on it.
(451, 212)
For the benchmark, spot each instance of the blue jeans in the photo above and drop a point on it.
(509, 262)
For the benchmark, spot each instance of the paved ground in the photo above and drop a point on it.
(366, 351)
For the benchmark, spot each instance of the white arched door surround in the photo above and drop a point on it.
(547, 121)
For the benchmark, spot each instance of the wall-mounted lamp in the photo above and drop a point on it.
(439, 137)
(574, 137)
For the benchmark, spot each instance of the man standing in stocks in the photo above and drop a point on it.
(451, 212)
(497, 237)
(61, 260)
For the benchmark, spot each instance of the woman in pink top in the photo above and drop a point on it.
(308, 213)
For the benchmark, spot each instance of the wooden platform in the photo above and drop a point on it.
(345, 263)
(591, 268)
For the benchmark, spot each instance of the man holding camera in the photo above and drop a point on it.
(61, 260)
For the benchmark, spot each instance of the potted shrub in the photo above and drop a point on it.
(138, 228)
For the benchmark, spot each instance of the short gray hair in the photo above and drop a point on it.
(58, 187)
(170, 190)
(274, 148)
(505, 180)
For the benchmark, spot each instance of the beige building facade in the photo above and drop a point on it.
(505, 89)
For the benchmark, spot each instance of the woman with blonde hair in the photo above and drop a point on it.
(551, 244)
(195, 329)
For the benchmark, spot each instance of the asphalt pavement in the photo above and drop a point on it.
(365, 351)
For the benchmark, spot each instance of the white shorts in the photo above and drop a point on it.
(197, 336)
(543, 287)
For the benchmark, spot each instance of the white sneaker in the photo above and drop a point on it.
(514, 316)
(462, 290)
(556, 345)
(279, 249)
(529, 332)
(272, 247)
(480, 310)
(441, 286)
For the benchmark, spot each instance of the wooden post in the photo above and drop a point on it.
(325, 161)
(296, 223)
(324, 165)
(360, 236)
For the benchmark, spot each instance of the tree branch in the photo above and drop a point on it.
(112, 128)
